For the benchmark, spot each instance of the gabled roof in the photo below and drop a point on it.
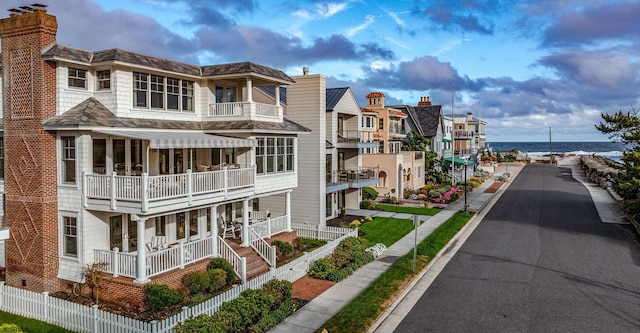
(334, 95)
(426, 118)
(92, 113)
(77, 55)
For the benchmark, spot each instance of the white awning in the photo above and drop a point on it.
(163, 139)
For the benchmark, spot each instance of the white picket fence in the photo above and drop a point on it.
(80, 318)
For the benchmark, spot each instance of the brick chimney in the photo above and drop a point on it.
(424, 101)
(29, 91)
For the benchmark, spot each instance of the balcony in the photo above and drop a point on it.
(151, 194)
(463, 135)
(397, 131)
(339, 180)
(357, 139)
(245, 111)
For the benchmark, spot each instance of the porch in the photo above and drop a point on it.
(151, 261)
(142, 194)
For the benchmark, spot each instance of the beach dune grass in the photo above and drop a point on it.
(359, 314)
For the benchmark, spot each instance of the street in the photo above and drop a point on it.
(540, 261)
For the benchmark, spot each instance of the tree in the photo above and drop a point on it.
(93, 275)
(625, 127)
(417, 142)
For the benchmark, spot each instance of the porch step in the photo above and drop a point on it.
(256, 266)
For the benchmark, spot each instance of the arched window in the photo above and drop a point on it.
(382, 176)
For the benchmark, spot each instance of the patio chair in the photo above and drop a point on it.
(227, 228)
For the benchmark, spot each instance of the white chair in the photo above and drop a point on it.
(227, 229)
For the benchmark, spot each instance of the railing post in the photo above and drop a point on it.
(189, 186)
(225, 180)
(144, 191)
(95, 317)
(154, 326)
(1, 294)
(113, 190)
(269, 227)
(114, 262)
(243, 262)
(45, 306)
(181, 254)
(273, 256)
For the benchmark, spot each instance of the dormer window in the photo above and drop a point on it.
(77, 78)
(160, 92)
(104, 79)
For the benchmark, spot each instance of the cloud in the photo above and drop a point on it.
(241, 43)
(468, 15)
(394, 16)
(369, 19)
(591, 24)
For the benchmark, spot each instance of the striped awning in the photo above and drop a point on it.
(163, 139)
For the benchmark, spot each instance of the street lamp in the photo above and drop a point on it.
(466, 207)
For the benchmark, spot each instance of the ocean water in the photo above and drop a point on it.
(612, 150)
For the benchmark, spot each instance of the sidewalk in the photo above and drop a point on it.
(314, 314)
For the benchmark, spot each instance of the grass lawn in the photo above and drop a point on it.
(386, 230)
(30, 325)
(408, 210)
(361, 312)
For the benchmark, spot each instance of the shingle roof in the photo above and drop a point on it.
(92, 113)
(333, 97)
(65, 52)
(426, 118)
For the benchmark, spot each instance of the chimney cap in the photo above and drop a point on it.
(305, 70)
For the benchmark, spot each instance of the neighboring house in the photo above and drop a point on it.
(398, 170)
(427, 120)
(133, 160)
(478, 127)
(332, 174)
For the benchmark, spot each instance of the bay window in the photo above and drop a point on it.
(274, 155)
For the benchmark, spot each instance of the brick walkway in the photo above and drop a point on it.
(308, 288)
(493, 188)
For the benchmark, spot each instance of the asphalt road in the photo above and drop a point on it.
(540, 261)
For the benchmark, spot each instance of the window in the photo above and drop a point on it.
(104, 79)
(380, 124)
(140, 89)
(70, 242)
(173, 93)
(163, 92)
(100, 156)
(69, 159)
(157, 92)
(193, 223)
(161, 226)
(1, 158)
(274, 155)
(181, 224)
(78, 78)
(133, 235)
(187, 96)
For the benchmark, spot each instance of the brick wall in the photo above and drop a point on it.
(30, 152)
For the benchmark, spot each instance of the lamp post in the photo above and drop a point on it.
(466, 207)
(453, 125)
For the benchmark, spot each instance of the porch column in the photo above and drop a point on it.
(141, 257)
(245, 223)
(249, 90)
(277, 93)
(214, 231)
(287, 208)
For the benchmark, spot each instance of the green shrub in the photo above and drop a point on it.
(345, 251)
(221, 263)
(362, 258)
(281, 290)
(197, 282)
(340, 274)
(10, 328)
(269, 321)
(369, 193)
(283, 248)
(321, 268)
(160, 296)
(202, 323)
(217, 279)
(367, 204)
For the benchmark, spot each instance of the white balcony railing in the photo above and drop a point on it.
(462, 134)
(147, 190)
(248, 110)
(157, 262)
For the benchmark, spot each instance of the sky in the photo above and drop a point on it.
(522, 66)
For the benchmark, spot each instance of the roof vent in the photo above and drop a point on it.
(305, 70)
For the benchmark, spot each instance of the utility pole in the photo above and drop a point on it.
(453, 140)
(550, 148)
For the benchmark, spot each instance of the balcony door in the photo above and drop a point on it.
(127, 157)
(115, 232)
